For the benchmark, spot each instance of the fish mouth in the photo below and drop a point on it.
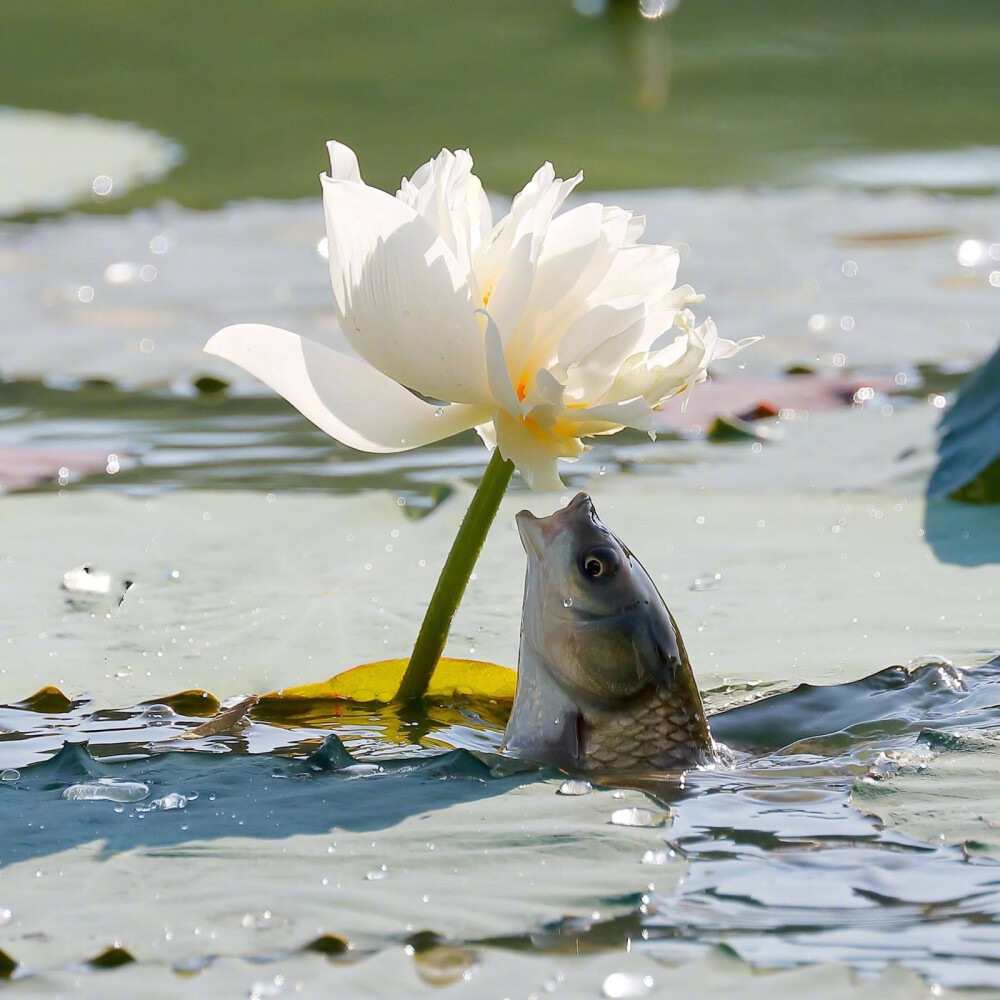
(539, 532)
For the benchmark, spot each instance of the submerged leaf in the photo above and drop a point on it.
(379, 681)
(7, 965)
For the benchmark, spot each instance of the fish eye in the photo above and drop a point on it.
(600, 562)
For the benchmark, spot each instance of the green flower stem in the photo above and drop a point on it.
(455, 577)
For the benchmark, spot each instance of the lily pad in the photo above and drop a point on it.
(378, 682)
(969, 453)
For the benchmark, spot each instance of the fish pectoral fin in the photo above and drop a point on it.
(654, 646)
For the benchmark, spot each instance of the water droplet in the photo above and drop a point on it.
(102, 186)
(10, 774)
(439, 411)
(637, 817)
(573, 787)
(567, 602)
(603, 470)
(970, 253)
(622, 984)
(849, 268)
(707, 581)
(83, 579)
(658, 857)
(108, 790)
(378, 874)
(172, 800)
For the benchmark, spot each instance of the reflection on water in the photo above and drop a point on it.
(143, 442)
(782, 869)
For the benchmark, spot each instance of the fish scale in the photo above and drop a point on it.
(663, 729)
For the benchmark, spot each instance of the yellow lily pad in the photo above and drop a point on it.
(379, 682)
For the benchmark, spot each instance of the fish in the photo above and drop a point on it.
(604, 682)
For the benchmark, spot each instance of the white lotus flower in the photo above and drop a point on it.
(539, 331)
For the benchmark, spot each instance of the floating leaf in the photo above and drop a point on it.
(755, 398)
(194, 702)
(23, 468)
(379, 681)
(970, 440)
(47, 701)
(891, 236)
(112, 958)
(328, 944)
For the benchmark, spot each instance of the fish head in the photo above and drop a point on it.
(590, 607)
(603, 679)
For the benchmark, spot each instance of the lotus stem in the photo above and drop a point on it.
(454, 578)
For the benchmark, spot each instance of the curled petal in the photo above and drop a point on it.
(535, 455)
(404, 303)
(343, 396)
(727, 348)
(343, 162)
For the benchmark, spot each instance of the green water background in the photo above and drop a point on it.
(718, 92)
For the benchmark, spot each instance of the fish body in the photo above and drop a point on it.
(604, 684)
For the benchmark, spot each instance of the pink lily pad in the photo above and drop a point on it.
(751, 398)
(22, 468)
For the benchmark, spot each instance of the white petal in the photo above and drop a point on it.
(635, 413)
(488, 433)
(509, 294)
(599, 325)
(405, 305)
(450, 197)
(579, 248)
(727, 348)
(496, 368)
(343, 396)
(649, 271)
(537, 463)
(590, 377)
(570, 244)
(545, 390)
(530, 214)
(343, 162)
